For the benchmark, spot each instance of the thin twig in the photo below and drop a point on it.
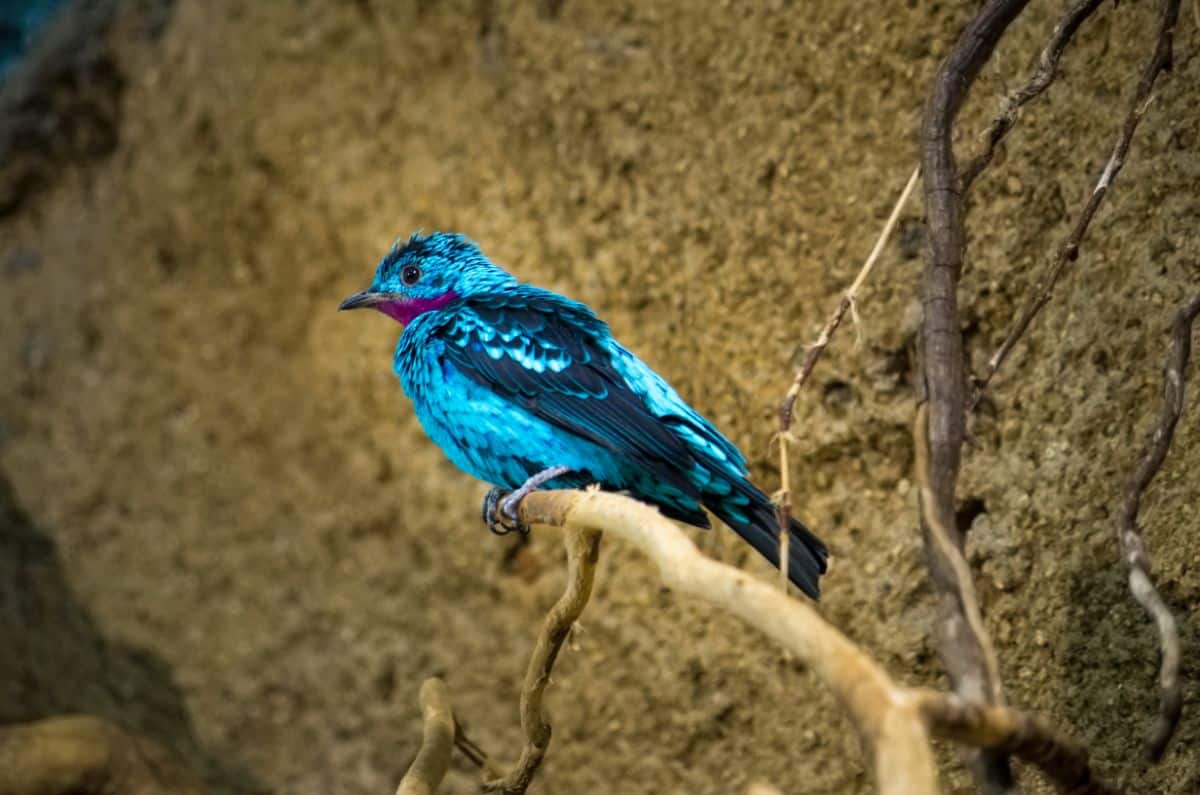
(847, 301)
(892, 718)
(474, 754)
(427, 770)
(1006, 730)
(583, 551)
(1068, 252)
(788, 404)
(1133, 548)
(963, 649)
(1043, 75)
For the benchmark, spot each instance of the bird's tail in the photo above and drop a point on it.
(758, 524)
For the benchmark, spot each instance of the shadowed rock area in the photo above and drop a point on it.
(57, 662)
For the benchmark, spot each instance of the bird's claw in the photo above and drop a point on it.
(500, 512)
(510, 516)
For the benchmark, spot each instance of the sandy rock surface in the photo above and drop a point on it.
(238, 489)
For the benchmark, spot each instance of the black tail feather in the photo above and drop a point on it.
(807, 554)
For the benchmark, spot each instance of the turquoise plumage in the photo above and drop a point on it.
(511, 380)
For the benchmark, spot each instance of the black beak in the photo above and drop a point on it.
(362, 300)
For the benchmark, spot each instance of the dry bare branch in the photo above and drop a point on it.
(941, 536)
(1133, 548)
(1008, 731)
(844, 305)
(82, 755)
(1068, 252)
(786, 406)
(583, 551)
(1043, 75)
(883, 713)
(892, 718)
(963, 648)
(474, 754)
(426, 772)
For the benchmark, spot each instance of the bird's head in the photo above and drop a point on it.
(426, 273)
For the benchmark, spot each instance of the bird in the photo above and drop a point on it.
(524, 388)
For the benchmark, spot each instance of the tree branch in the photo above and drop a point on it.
(1043, 75)
(847, 303)
(583, 551)
(963, 648)
(1008, 731)
(1133, 548)
(894, 720)
(941, 535)
(889, 720)
(426, 772)
(1068, 252)
(82, 755)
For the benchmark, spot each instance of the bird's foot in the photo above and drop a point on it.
(491, 516)
(501, 512)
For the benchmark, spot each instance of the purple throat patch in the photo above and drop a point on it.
(404, 312)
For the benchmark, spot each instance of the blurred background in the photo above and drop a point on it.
(20, 23)
(224, 529)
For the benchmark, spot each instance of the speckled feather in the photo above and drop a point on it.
(510, 379)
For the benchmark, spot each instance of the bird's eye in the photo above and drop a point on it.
(410, 275)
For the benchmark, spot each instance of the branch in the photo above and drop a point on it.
(964, 648)
(1008, 731)
(846, 304)
(433, 759)
(583, 551)
(80, 755)
(474, 754)
(1133, 549)
(1039, 81)
(1068, 252)
(880, 710)
(894, 720)
(945, 549)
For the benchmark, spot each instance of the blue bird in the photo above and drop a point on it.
(522, 387)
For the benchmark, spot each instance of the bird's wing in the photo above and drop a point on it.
(664, 402)
(548, 356)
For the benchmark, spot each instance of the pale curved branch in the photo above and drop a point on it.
(83, 755)
(895, 720)
(583, 551)
(942, 547)
(426, 772)
(885, 714)
(1133, 548)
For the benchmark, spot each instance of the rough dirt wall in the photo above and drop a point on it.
(238, 486)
